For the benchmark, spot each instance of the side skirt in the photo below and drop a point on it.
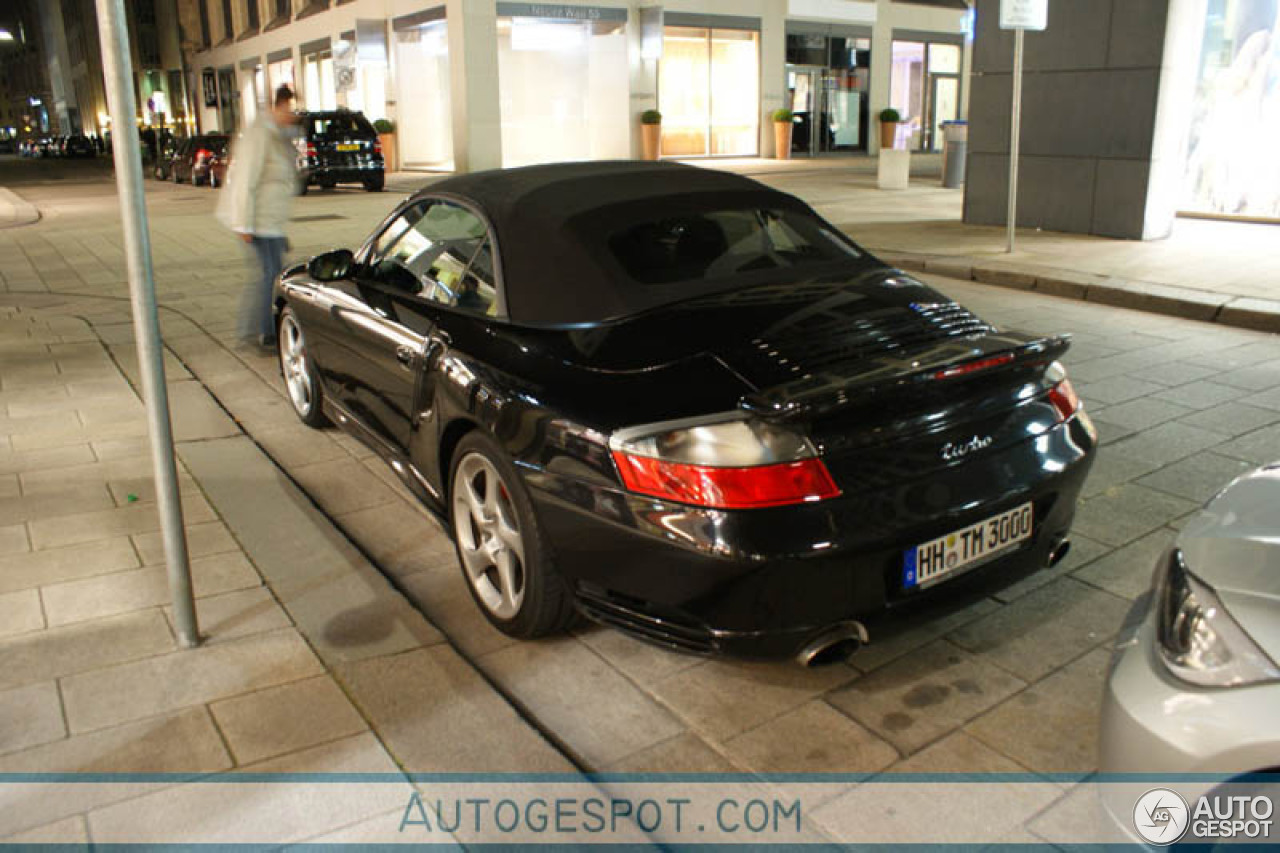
(396, 461)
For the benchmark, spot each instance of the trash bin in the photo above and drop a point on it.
(955, 152)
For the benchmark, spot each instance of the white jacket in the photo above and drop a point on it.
(261, 181)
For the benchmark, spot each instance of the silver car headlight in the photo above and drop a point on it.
(1199, 641)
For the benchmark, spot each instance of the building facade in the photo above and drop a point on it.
(25, 91)
(73, 54)
(474, 84)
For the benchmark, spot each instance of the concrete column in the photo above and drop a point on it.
(643, 78)
(473, 84)
(773, 70)
(1105, 96)
(881, 68)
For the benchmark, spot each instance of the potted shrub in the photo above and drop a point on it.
(651, 133)
(783, 125)
(387, 139)
(889, 119)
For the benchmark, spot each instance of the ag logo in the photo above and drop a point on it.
(1161, 816)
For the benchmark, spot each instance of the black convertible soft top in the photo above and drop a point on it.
(552, 224)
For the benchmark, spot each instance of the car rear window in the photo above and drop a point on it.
(341, 123)
(712, 244)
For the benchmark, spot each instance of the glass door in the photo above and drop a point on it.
(843, 109)
(804, 95)
(944, 106)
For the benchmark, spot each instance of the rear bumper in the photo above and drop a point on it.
(347, 174)
(763, 583)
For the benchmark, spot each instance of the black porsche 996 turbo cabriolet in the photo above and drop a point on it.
(683, 404)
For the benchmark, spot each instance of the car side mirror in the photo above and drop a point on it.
(331, 266)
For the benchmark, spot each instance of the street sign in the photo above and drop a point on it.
(1019, 16)
(1024, 14)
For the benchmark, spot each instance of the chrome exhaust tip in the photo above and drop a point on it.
(833, 646)
(1059, 552)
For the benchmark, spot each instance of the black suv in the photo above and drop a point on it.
(339, 147)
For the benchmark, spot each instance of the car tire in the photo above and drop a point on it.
(300, 381)
(374, 185)
(504, 556)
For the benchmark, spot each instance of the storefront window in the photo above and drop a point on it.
(944, 59)
(709, 92)
(926, 99)
(563, 90)
(318, 76)
(281, 74)
(1232, 168)
(249, 94)
(425, 134)
(906, 89)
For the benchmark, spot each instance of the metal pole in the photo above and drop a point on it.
(118, 69)
(1015, 131)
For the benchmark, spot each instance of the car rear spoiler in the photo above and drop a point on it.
(857, 383)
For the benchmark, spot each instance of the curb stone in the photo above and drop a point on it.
(16, 211)
(1261, 315)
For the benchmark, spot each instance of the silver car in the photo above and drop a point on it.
(1194, 685)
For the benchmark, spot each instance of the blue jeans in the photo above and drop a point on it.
(256, 322)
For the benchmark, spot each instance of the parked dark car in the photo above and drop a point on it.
(683, 404)
(78, 146)
(339, 147)
(192, 157)
(7, 146)
(167, 148)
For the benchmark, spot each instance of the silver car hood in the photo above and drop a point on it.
(1233, 545)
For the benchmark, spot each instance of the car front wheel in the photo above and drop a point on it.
(505, 560)
(299, 377)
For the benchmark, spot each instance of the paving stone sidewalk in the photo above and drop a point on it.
(1010, 682)
(308, 655)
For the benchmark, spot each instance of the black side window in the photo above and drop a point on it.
(439, 251)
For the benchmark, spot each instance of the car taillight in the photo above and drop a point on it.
(203, 154)
(974, 366)
(311, 149)
(377, 147)
(726, 462)
(1063, 396)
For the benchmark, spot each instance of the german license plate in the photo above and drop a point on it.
(348, 146)
(966, 548)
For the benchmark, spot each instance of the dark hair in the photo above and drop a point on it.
(283, 95)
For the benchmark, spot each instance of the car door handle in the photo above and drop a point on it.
(437, 343)
(406, 355)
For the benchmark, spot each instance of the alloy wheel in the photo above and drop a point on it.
(293, 360)
(488, 534)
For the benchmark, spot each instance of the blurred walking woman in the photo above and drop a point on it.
(261, 183)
